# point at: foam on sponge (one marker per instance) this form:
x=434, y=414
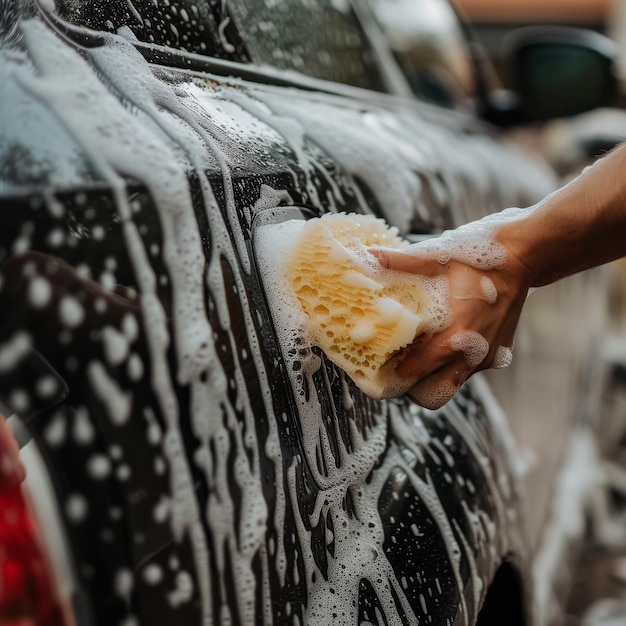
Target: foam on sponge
x=359, y=313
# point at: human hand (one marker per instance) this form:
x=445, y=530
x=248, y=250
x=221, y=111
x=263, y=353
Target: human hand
x=485, y=305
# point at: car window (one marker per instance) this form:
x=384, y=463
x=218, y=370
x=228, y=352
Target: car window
x=200, y=27
x=427, y=40
x=320, y=38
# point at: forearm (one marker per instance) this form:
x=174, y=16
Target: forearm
x=581, y=226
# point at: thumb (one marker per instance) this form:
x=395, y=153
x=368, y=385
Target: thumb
x=396, y=260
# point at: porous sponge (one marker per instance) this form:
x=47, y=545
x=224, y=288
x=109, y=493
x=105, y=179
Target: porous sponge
x=360, y=314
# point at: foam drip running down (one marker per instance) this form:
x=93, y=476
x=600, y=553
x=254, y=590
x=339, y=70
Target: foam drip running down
x=68, y=84
x=359, y=313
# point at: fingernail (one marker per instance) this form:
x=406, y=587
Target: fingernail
x=379, y=255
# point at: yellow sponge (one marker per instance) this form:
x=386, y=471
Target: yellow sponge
x=360, y=314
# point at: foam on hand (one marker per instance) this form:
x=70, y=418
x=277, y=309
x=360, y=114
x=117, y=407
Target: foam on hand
x=359, y=313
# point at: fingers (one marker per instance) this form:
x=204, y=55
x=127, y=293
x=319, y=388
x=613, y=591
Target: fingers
x=484, y=311
x=422, y=357
x=441, y=386
x=441, y=364
x=391, y=260
x=403, y=261
x=439, y=368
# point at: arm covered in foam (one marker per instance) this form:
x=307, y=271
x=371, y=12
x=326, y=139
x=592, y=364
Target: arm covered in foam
x=490, y=265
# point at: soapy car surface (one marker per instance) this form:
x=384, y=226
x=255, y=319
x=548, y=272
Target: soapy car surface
x=204, y=466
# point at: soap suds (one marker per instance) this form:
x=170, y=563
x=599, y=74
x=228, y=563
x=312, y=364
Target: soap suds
x=503, y=358
x=473, y=345
x=360, y=314
x=433, y=394
x=489, y=289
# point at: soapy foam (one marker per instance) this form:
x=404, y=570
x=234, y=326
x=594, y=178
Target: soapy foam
x=361, y=141
x=82, y=100
x=117, y=401
x=503, y=358
x=474, y=243
x=194, y=339
x=13, y=351
x=473, y=345
x=489, y=289
x=433, y=394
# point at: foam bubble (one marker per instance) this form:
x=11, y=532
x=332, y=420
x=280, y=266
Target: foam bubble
x=474, y=243
x=123, y=583
x=153, y=574
x=46, y=386
x=432, y=394
x=71, y=312
x=99, y=466
x=14, y=350
x=473, y=345
x=76, y=508
x=39, y=292
x=56, y=431
x=489, y=289
x=503, y=358
x=115, y=345
x=183, y=591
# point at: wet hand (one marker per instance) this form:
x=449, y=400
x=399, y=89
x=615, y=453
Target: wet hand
x=485, y=308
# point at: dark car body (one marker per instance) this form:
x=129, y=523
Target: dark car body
x=186, y=465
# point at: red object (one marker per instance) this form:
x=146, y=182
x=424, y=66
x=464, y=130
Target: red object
x=27, y=594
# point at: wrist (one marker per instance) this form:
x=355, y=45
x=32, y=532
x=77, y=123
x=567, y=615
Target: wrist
x=525, y=263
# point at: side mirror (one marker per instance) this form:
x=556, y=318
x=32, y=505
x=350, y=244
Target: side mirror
x=557, y=72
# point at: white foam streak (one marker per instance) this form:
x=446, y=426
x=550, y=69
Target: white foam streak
x=117, y=402
x=197, y=352
x=580, y=473
x=13, y=351
x=182, y=248
x=112, y=139
x=428, y=494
